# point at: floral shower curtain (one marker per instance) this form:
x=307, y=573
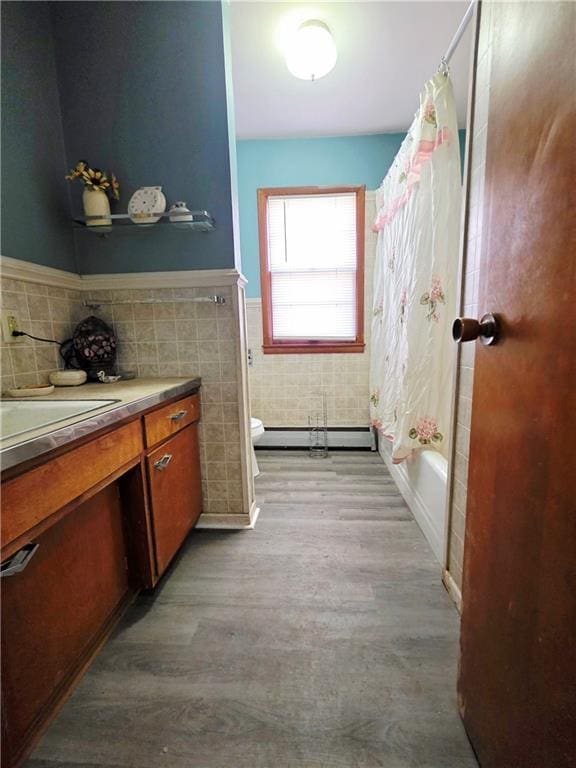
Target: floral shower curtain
x=418, y=220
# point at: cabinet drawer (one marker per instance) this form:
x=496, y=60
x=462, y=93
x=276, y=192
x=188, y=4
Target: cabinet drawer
x=175, y=492
x=30, y=498
x=170, y=419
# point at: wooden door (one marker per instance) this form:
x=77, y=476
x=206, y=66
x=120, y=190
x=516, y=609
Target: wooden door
x=175, y=492
x=55, y=612
x=517, y=685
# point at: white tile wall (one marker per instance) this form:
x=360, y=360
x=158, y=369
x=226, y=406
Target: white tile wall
x=44, y=311
x=189, y=339
x=168, y=339
x=287, y=389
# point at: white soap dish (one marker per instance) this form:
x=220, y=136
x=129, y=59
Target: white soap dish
x=36, y=391
x=68, y=378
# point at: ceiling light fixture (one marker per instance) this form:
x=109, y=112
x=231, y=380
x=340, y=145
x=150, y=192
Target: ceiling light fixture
x=311, y=51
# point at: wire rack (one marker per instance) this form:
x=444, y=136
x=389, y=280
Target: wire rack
x=318, y=432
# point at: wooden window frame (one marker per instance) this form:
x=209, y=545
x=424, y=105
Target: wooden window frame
x=273, y=346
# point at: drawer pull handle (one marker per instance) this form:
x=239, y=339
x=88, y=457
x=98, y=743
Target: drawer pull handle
x=162, y=463
x=179, y=415
x=19, y=561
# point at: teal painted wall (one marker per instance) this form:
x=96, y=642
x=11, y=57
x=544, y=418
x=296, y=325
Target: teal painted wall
x=35, y=196
x=134, y=87
x=143, y=92
x=229, y=79
x=140, y=88
x=300, y=162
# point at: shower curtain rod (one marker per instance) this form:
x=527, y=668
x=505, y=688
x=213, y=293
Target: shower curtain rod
x=458, y=36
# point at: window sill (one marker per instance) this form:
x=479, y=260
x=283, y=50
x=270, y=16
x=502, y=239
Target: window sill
x=312, y=347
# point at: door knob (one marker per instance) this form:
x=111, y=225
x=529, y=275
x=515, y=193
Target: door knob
x=468, y=329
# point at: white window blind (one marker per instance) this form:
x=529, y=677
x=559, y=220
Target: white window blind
x=312, y=260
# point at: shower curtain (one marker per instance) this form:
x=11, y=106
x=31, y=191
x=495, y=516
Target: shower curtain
x=418, y=219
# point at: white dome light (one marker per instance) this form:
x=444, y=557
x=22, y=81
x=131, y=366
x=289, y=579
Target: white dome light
x=311, y=52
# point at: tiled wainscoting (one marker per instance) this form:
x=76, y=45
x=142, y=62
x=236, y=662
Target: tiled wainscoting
x=172, y=338
x=43, y=310
x=286, y=389
x=469, y=303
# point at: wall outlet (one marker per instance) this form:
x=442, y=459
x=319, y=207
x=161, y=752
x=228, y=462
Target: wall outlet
x=9, y=322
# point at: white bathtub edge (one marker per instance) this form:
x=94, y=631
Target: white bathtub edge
x=432, y=529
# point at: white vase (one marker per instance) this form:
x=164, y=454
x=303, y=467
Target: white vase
x=96, y=203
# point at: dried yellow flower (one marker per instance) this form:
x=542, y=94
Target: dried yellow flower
x=94, y=178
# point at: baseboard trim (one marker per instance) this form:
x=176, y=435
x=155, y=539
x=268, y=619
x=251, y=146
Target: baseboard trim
x=453, y=589
x=230, y=522
x=306, y=448
x=346, y=438
x=306, y=429
x=226, y=522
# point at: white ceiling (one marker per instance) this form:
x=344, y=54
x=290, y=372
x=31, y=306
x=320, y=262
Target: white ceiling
x=386, y=51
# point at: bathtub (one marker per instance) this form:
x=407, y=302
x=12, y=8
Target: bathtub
x=423, y=482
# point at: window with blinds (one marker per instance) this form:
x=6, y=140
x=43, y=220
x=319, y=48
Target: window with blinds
x=312, y=259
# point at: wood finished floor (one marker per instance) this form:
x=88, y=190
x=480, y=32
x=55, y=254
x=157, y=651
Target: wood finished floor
x=322, y=639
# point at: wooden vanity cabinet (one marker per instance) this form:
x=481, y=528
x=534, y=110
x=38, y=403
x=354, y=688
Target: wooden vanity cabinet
x=173, y=472
x=33, y=500
x=57, y=610
x=107, y=516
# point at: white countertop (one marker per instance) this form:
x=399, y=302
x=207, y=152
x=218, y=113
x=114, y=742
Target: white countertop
x=132, y=396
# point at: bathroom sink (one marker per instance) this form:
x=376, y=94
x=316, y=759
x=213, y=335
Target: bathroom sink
x=18, y=416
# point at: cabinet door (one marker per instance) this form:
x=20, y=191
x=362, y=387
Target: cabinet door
x=175, y=492
x=55, y=612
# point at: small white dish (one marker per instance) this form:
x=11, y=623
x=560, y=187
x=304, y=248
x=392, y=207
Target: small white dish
x=68, y=378
x=31, y=391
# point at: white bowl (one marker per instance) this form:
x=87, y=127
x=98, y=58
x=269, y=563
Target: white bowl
x=68, y=378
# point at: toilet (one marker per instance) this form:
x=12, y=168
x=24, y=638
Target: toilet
x=257, y=430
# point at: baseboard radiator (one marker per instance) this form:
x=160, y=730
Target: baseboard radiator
x=298, y=438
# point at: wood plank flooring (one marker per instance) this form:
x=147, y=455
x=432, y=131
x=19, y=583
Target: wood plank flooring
x=322, y=639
